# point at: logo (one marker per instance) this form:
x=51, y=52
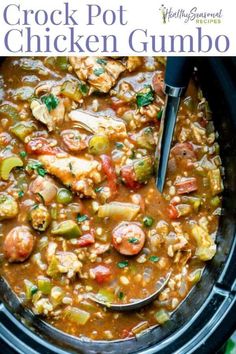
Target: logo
x=195, y=15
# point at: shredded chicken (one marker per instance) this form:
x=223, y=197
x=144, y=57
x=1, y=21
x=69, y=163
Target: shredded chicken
x=100, y=72
x=113, y=128
x=50, y=119
x=77, y=173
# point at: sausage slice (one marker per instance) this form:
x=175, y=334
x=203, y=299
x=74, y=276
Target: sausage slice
x=18, y=244
x=183, y=151
x=128, y=238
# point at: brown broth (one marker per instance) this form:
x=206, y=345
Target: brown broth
x=162, y=251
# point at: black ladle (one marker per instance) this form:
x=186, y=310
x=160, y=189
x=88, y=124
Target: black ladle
x=177, y=76
x=136, y=304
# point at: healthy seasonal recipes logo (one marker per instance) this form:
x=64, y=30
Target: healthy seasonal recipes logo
x=194, y=14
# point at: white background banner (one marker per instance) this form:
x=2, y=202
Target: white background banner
x=117, y=27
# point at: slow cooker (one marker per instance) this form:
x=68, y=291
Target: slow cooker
x=207, y=317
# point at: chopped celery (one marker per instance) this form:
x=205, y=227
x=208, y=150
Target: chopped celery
x=143, y=169
x=195, y=276
x=49, y=61
x=98, y=144
x=145, y=138
x=56, y=296
x=215, y=201
x=62, y=63
x=115, y=210
x=9, y=111
x=8, y=207
x=53, y=268
x=215, y=181
x=162, y=316
x=91, y=307
x=72, y=90
x=206, y=164
x=80, y=317
x=22, y=129
x=189, y=103
x=44, y=285
x=206, y=247
x=217, y=160
x=183, y=209
x=54, y=212
x=194, y=201
x=67, y=228
x=8, y=164
x=105, y=295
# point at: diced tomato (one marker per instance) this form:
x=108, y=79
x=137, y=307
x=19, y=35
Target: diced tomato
x=183, y=151
x=102, y=273
x=85, y=240
x=158, y=83
x=109, y=170
x=128, y=177
x=187, y=185
x=40, y=146
x=172, y=212
x=116, y=104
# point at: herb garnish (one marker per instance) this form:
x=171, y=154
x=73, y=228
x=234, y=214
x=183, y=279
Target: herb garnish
x=120, y=295
x=122, y=264
x=101, y=61
x=33, y=290
x=20, y=194
x=145, y=96
x=37, y=166
x=84, y=89
x=50, y=101
x=98, y=71
x=98, y=189
x=119, y=145
x=82, y=217
x=71, y=169
x=154, y=259
x=133, y=240
x=159, y=114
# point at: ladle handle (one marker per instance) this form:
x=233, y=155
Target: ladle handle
x=177, y=75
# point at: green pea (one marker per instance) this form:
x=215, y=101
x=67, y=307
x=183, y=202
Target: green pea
x=148, y=221
x=64, y=196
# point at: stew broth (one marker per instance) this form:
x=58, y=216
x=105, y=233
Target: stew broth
x=79, y=210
